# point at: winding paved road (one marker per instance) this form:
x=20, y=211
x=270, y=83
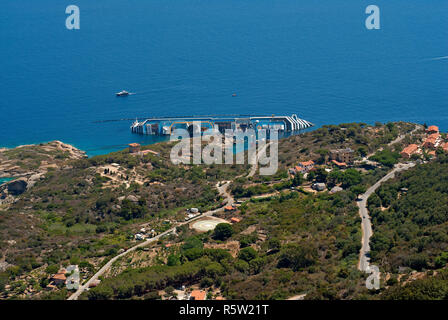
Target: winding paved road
x=222, y=189
x=364, y=259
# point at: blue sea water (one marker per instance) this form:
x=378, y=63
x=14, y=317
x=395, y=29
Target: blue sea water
x=314, y=58
x=4, y=180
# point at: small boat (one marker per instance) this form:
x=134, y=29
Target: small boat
x=234, y=95
x=122, y=93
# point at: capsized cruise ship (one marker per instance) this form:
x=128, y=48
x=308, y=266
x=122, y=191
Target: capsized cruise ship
x=164, y=126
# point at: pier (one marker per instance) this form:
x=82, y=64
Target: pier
x=164, y=126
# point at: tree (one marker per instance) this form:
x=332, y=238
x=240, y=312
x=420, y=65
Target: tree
x=358, y=190
x=297, y=180
x=321, y=175
x=241, y=266
x=52, y=269
x=193, y=253
x=247, y=254
x=322, y=156
x=256, y=265
x=362, y=151
x=223, y=231
x=247, y=240
x=153, y=295
x=295, y=256
x=206, y=282
x=386, y=157
x=192, y=242
x=100, y=293
x=274, y=244
x=169, y=290
x=351, y=177
x=173, y=260
x=441, y=260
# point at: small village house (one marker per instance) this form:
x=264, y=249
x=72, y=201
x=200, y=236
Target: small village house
x=134, y=147
x=338, y=164
x=346, y=155
x=305, y=166
x=198, y=295
x=432, y=141
x=59, y=278
x=445, y=147
x=409, y=151
x=432, y=129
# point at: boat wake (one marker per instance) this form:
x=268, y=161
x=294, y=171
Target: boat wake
x=439, y=58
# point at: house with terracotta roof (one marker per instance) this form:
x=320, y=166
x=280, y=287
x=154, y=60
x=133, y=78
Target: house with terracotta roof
x=445, y=146
x=432, y=153
x=409, y=150
x=198, y=295
x=432, y=141
x=339, y=164
x=59, y=278
x=235, y=220
x=298, y=169
x=229, y=208
x=134, y=147
x=432, y=129
x=305, y=166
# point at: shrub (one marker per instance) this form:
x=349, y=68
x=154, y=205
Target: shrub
x=247, y=254
x=223, y=231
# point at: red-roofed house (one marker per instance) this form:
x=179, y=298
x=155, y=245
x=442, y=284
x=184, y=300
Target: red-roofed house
x=59, y=278
x=432, y=153
x=339, y=164
x=298, y=169
x=431, y=141
x=445, y=147
x=198, y=295
x=235, y=220
x=409, y=150
x=432, y=129
x=305, y=166
x=134, y=147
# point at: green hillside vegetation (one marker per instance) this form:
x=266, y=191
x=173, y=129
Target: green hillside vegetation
x=312, y=246
x=386, y=157
x=430, y=288
x=77, y=214
x=411, y=224
x=360, y=137
x=71, y=213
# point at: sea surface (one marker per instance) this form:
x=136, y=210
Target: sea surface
x=183, y=57
x=4, y=180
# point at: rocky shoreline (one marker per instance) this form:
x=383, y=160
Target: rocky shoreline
x=28, y=164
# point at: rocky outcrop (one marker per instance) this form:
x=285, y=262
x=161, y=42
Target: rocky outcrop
x=132, y=198
x=74, y=152
x=47, y=155
x=17, y=187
